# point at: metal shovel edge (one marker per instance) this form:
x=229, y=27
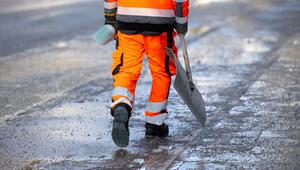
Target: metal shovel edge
x=184, y=84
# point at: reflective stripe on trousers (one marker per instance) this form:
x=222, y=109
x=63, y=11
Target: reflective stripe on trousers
x=156, y=107
x=157, y=120
x=154, y=112
x=121, y=95
x=122, y=91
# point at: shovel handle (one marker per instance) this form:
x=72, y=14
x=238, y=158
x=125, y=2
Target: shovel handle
x=186, y=60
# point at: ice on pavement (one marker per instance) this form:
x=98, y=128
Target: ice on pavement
x=204, y=2
x=206, y=49
x=82, y=109
x=255, y=46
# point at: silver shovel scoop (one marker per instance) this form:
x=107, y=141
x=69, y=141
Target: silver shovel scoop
x=184, y=84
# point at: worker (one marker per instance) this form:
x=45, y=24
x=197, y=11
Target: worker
x=143, y=27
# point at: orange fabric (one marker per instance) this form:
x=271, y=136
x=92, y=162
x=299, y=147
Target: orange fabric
x=129, y=57
x=114, y=98
x=152, y=113
x=184, y=8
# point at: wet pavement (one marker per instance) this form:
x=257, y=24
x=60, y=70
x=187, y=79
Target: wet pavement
x=55, y=99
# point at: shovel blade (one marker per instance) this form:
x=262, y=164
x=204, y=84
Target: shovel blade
x=191, y=97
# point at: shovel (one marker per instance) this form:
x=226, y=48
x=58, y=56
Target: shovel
x=184, y=84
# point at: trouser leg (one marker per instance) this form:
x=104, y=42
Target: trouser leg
x=126, y=67
x=162, y=68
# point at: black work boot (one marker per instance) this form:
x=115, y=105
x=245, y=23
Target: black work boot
x=120, y=131
x=153, y=130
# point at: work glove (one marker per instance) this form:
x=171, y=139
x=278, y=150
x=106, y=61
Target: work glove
x=112, y=23
x=181, y=28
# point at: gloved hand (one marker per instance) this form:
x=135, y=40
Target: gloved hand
x=181, y=28
x=112, y=23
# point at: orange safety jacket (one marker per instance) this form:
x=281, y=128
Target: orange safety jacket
x=147, y=15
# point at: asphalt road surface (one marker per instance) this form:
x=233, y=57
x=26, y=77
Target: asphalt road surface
x=55, y=87
x=30, y=24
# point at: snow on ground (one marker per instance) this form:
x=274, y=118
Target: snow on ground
x=206, y=2
x=203, y=2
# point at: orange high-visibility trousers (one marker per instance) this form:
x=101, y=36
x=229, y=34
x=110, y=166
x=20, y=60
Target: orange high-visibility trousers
x=127, y=65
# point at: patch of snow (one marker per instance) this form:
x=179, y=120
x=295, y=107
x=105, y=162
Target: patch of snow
x=214, y=166
x=205, y=2
x=60, y=44
x=253, y=133
x=194, y=158
x=139, y=161
x=269, y=134
x=252, y=45
x=177, y=165
x=257, y=150
x=237, y=110
x=270, y=38
x=224, y=124
x=237, y=157
x=209, y=140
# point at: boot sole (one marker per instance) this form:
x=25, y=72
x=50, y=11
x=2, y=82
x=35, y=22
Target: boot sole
x=150, y=136
x=155, y=136
x=120, y=133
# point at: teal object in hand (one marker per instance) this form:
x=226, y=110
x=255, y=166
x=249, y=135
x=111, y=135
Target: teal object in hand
x=105, y=34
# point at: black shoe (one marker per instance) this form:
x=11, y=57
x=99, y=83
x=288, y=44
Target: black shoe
x=153, y=130
x=120, y=131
